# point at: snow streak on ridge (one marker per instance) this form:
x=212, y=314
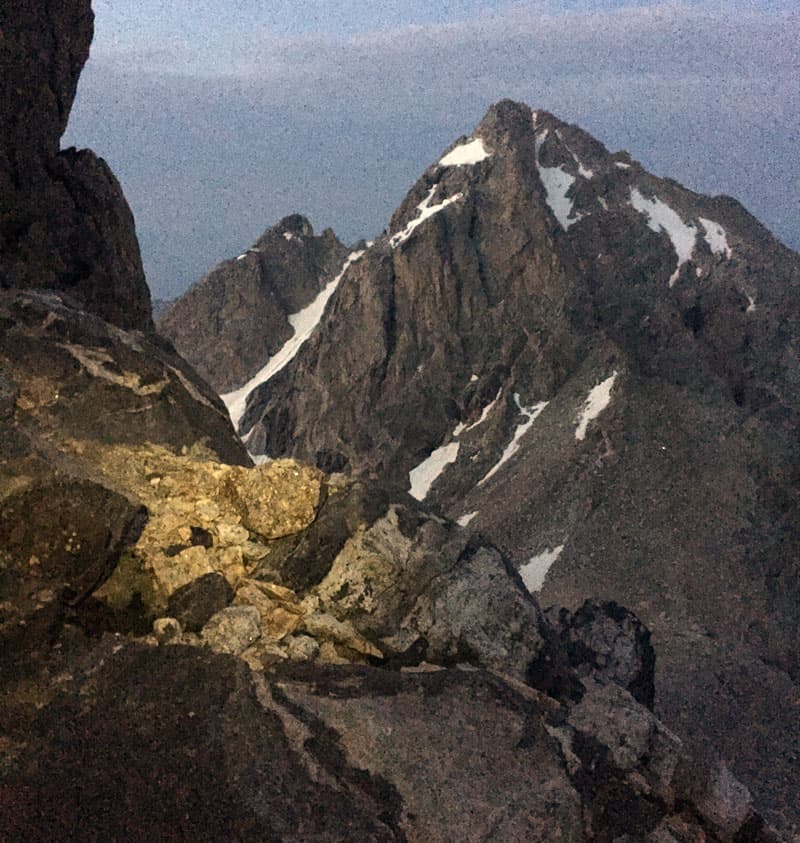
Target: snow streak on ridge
x=660, y=217
x=424, y=475
x=535, y=569
x=598, y=399
x=303, y=322
x=426, y=212
x=471, y=152
x=531, y=413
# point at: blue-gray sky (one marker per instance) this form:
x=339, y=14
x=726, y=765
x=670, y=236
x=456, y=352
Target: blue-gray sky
x=221, y=116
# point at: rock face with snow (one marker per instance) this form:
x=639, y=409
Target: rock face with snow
x=430, y=703
x=64, y=222
x=596, y=369
x=237, y=316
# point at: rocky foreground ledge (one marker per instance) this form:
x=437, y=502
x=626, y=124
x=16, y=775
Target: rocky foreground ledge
x=194, y=648
x=271, y=652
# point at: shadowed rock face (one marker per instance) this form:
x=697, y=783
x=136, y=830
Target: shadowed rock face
x=230, y=322
x=80, y=367
x=70, y=375
x=174, y=743
x=45, y=45
x=64, y=223
x=610, y=362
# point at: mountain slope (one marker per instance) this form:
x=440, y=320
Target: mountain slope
x=596, y=369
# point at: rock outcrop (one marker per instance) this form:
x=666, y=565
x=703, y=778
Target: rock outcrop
x=174, y=743
x=237, y=317
x=597, y=370
x=64, y=222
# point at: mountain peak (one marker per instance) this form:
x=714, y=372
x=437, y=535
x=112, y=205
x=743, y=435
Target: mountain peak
x=581, y=361
x=295, y=224
x=239, y=314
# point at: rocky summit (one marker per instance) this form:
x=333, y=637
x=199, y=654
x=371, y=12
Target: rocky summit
x=196, y=648
x=596, y=370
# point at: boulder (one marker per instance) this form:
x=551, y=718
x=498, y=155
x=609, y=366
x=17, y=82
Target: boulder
x=193, y=604
x=233, y=629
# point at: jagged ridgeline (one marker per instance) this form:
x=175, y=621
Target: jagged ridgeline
x=596, y=369
x=194, y=648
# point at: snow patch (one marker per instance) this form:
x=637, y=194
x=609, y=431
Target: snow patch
x=557, y=183
x=660, y=217
x=473, y=379
x=622, y=165
x=426, y=211
x=303, y=322
x=751, y=306
x=603, y=203
x=471, y=152
x=465, y=519
x=716, y=237
x=425, y=474
x=242, y=257
x=598, y=399
x=531, y=413
x=535, y=570
x=287, y=235
x=539, y=141
x=584, y=172
x=486, y=410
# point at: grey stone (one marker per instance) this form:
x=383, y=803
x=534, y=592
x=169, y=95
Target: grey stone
x=233, y=629
x=167, y=630
x=302, y=648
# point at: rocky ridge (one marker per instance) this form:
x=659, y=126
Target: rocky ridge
x=237, y=316
x=595, y=369
x=143, y=607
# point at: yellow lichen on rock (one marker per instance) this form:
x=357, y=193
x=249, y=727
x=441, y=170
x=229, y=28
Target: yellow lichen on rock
x=36, y=392
x=204, y=516
x=273, y=500
x=277, y=621
x=369, y=565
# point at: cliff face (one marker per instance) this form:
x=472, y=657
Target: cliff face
x=64, y=222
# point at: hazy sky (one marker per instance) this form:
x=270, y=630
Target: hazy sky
x=221, y=116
